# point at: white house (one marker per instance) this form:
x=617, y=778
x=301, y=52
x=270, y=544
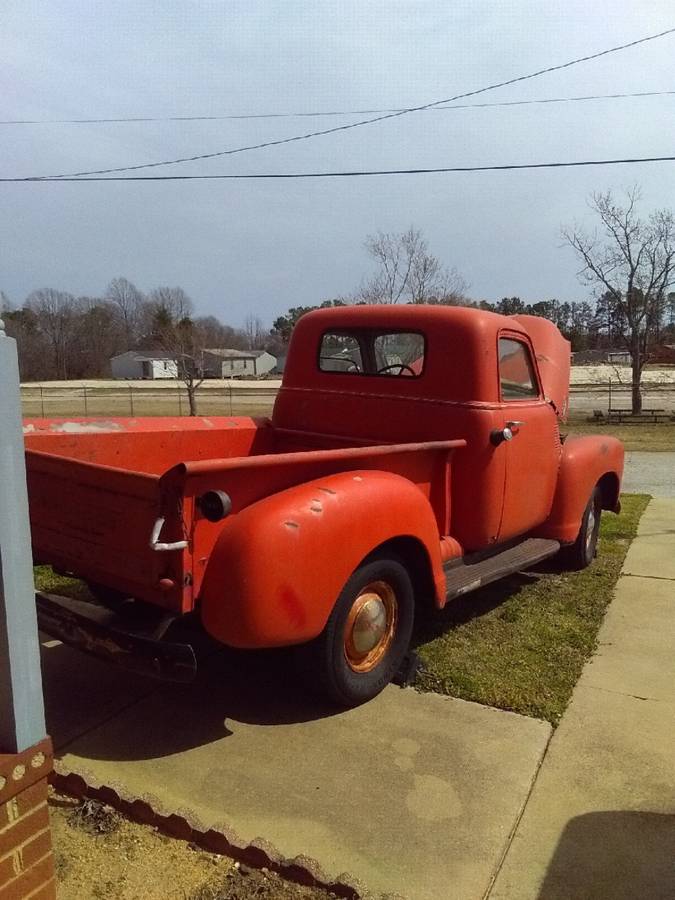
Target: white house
x=144, y=364
x=236, y=363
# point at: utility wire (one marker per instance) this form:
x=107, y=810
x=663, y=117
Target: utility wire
x=343, y=112
x=352, y=174
x=382, y=118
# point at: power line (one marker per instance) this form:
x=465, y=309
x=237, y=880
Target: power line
x=348, y=174
x=381, y=118
x=320, y=114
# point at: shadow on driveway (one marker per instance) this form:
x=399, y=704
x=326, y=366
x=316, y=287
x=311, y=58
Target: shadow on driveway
x=617, y=855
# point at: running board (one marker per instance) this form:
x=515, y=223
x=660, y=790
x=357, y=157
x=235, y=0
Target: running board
x=462, y=578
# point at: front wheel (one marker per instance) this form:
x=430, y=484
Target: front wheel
x=582, y=552
x=367, y=634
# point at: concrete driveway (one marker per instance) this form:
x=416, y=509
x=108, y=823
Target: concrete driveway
x=412, y=794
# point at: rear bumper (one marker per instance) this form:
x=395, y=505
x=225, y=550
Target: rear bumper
x=86, y=627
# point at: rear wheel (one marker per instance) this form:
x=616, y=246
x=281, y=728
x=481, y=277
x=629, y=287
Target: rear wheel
x=582, y=552
x=367, y=634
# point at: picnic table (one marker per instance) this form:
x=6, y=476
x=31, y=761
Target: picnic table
x=652, y=416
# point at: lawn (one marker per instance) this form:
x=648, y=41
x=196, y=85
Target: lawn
x=521, y=643
x=634, y=437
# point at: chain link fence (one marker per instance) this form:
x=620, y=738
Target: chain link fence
x=239, y=400
x=56, y=401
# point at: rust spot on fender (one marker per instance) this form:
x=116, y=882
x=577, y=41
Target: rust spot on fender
x=290, y=524
x=292, y=605
x=328, y=491
x=315, y=506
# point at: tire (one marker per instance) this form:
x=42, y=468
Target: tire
x=583, y=551
x=378, y=599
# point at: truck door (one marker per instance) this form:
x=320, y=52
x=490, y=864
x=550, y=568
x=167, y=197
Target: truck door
x=533, y=452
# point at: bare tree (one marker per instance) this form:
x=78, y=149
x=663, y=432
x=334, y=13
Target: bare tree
x=129, y=301
x=172, y=299
x=407, y=272
x=631, y=261
x=216, y=335
x=55, y=314
x=182, y=339
x=255, y=332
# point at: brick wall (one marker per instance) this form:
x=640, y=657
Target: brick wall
x=26, y=860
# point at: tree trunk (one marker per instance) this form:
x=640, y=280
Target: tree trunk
x=636, y=360
x=192, y=400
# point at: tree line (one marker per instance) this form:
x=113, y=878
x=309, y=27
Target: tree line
x=61, y=336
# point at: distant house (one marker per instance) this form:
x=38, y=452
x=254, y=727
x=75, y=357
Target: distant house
x=280, y=366
x=237, y=363
x=663, y=354
x=616, y=357
x=144, y=364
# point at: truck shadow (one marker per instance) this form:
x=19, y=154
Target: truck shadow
x=622, y=855
x=101, y=712
x=106, y=713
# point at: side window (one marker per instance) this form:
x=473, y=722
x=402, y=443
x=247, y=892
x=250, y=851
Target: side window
x=340, y=353
x=516, y=373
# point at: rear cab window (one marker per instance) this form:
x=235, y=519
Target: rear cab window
x=517, y=380
x=367, y=352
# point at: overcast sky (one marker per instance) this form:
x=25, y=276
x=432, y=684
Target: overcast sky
x=262, y=246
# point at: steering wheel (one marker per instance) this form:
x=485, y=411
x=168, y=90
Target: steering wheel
x=400, y=366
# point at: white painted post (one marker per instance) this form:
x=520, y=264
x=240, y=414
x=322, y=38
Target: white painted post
x=22, y=721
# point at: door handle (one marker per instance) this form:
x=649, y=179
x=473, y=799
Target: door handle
x=507, y=433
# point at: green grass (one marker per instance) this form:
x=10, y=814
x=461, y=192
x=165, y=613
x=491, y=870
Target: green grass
x=635, y=437
x=521, y=643
x=47, y=580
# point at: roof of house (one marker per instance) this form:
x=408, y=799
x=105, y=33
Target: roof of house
x=236, y=354
x=146, y=355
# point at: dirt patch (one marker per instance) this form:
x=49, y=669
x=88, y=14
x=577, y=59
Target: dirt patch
x=100, y=855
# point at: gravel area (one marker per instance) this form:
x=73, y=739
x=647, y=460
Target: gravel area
x=650, y=473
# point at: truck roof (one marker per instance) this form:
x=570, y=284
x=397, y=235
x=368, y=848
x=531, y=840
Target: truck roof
x=462, y=344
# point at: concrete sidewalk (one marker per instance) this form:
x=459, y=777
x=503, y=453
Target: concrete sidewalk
x=600, y=823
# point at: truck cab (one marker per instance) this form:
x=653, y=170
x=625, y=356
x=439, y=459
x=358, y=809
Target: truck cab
x=414, y=454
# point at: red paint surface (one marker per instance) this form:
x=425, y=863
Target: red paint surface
x=347, y=463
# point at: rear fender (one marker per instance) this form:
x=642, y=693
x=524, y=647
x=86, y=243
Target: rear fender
x=586, y=461
x=279, y=565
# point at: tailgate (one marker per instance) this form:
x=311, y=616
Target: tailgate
x=96, y=522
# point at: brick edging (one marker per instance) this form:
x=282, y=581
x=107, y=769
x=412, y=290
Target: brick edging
x=19, y=771
x=26, y=856
x=218, y=838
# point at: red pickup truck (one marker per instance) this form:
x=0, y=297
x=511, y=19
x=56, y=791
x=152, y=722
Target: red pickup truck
x=414, y=454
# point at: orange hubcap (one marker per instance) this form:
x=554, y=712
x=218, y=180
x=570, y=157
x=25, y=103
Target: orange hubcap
x=371, y=625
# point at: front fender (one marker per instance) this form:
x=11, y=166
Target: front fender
x=279, y=565
x=586, y=461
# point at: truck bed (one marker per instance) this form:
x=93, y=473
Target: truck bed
x=97, y=488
